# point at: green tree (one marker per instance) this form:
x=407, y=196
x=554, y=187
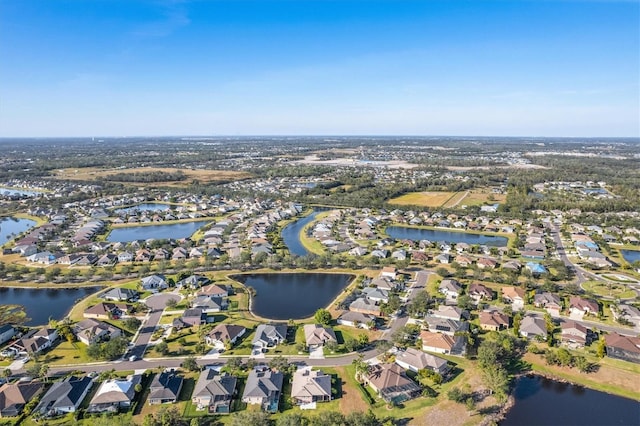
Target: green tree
x=279, y=363
x=359, y=418
x=162, y=348
x=322, y=316
x=190, y=364
x=171, y=303
x=601, y=348
x=253, y=418
x=291, y=419
x=132, y=323
x=329, y=418
x=362, y=368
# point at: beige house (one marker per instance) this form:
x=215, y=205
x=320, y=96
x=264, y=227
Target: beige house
x=309, y=386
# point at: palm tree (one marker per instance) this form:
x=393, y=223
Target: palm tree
x=44, y=371
x=362, y=368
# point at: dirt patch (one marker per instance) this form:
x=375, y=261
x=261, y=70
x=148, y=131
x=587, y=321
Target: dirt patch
x=351, y=399
x=445, y=413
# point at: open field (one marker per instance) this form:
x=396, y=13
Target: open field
x=615, y=290
x=202, y=176
x=449, y=199
x=423, y=199
x=478, y=197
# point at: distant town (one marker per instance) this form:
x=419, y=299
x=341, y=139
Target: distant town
x=314, y=281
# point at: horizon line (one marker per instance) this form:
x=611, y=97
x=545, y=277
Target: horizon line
x=202, y=136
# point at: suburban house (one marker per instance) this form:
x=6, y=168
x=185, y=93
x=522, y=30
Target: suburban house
x=493, y=320
x=194, y=316
x=214, y=290
x=549, y=301
x=120, y=295
x=355, y=319
x=316, y=336
x=445, y=326
x=623, y=347
x=622, y=312
x=389, y=272
x=451, y=289
x=376, y=294
x=479, y=292
x=415, y=360
x=365, y=306
x=64, y=396
x=114, y=395
x=37, y=340
x=165, y=388
x=106, y=310
x=224, y=336
x=309, y=386
x=209, y=303
x=450, y=312
x=14, y=396
x=90, y=331
x=6, y=333
x=515, y=296
x=214, y=391
x=391, y=383
x=154, y=283
x=437, y=342
x=193, y=281
x=578, y=307
x=574, y=335
x=532, y=327
x=263, y=387
x=269, y=335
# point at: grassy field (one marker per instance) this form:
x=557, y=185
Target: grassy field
x=202, y=176
x=615, y=290
x=612, y=376
x=449, y=199
x=423, y=199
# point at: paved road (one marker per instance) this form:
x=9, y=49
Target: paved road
x=579, y=272
x=157, y=303
x=594, y=325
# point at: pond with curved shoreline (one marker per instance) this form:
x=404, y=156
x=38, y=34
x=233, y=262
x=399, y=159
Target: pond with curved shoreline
x=41, y=304
x=144, y=207
x=291, y=234
x=544, y=402
x=157, y=232
x=631, y=255
x=438, y=235
x=284, y=296
x=11, y=227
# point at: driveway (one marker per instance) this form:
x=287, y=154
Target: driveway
x=157, y=303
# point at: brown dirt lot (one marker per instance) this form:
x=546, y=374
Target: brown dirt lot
x=351, y=399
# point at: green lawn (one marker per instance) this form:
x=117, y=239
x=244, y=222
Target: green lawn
x=615, y=290
x=66, y=353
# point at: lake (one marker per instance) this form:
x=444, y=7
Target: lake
x=43, y=303
x=145, y=207
x=16, y=191
x=158, y=232
x=293, y=296
x=540, y=402
x=291, y=234
x=10, y=228
x=631, y=255
x=437, y=235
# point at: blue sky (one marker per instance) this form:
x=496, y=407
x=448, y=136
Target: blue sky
x=453, y=67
